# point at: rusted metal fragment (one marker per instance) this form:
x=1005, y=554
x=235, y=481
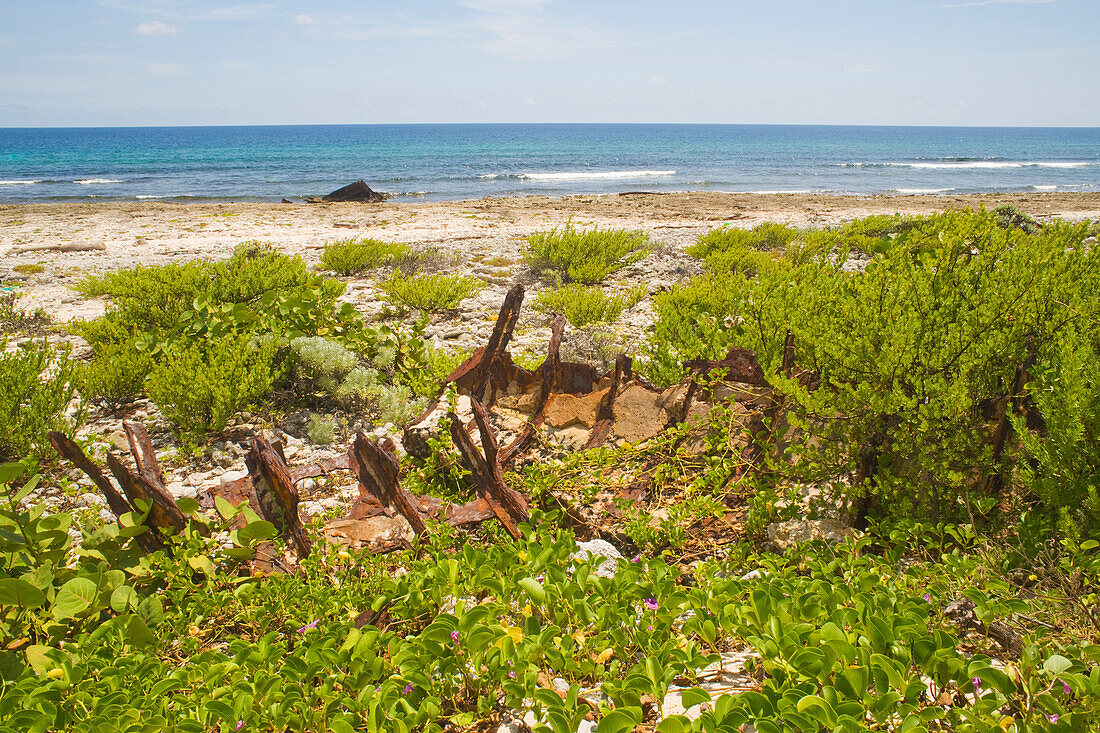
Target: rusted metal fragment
x=375, y=466
x=472, y=512
x=741, y=365
x=145, y=456
x=509, y=506
x=276, y=495
x=549, y=374
x=163, y=512
x=377, y=534
x=68, y=449
x=241, y=489
x=606, y=413
x=494, y=351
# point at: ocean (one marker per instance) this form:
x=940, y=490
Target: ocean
x=449, y=162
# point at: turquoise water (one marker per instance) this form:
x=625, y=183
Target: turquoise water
x=447, y=162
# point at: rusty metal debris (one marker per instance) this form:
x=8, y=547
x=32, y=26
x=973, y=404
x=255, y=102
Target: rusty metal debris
x=570, y=403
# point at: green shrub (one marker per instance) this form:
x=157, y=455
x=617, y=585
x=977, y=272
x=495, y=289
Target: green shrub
x=116, y=374
x=256, y=289
x=322, y=362
x=14, y=320
x=320, y=430
x=729, y=249
x=199, y=384
x=429, y=293
x=1062, y=469
x=909, y=352
x=352, y=256
x=37, y=384
x=586, y=256
x=29, y=269
x=583, y=305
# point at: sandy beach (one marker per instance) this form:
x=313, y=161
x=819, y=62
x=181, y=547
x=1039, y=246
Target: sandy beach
x=125, y=234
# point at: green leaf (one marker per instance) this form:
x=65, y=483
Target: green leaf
x=20, y=593
x=693, y=696
x=123, y=599
x=257, y=531
x=151, y=611
x=203, y=564
x=37, y=657
x=1056, y=664
x=11, y=471
x=138, y=633
x=534, y=589
x=674, y=724
x=187, y=505
x=76, y=597
x=619, y=721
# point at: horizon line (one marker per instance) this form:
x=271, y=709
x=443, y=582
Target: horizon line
x=545, y=124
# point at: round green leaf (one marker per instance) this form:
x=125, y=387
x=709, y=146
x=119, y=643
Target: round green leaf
x=18, y=592
x=534, y=589
x=74, y=598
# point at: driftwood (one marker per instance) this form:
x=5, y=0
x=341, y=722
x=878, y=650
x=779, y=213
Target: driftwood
x=59, y=247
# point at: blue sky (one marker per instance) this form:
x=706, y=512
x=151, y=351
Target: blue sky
x=923, y=62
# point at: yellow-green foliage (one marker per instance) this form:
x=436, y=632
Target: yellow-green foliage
x=583, y=256
x=429, y=293
x=116, y=374
x=29, y=269
x=740, y=250
x=909, y=351
x=352, y=256
x=583, y=304
x=37, y=383
x=199, y=384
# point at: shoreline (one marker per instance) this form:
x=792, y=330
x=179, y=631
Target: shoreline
x=105, y=236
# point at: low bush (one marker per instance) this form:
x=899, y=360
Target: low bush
x=910, y=353
x=29, y=269
x=320, y=430
x=199, y=384
x=116, y=374
x=583, y=256
x=359, y=254
x=583, y=305
x=37, y=385
x=429, y=293
x=14, y=320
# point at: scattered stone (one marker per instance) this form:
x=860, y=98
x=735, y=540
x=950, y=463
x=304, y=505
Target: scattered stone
x=784, y=535
x=596, y=549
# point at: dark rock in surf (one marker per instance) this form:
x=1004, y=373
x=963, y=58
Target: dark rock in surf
x=358, y=192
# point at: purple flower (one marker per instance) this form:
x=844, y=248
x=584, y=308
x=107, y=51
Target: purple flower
x=408, y=689
x=651, y=604
x=1065, y=688
x=541, y=578
x=311, y=625
x=636, y=558
x=378, y=689
x=649, y=628
x=977, y=682
x=511, y=675
x=240, y=724
x=1053, y=718
x=927, y=597
x=454, y=636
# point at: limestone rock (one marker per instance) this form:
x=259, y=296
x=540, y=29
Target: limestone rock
x=785, y=535
x=594, y=550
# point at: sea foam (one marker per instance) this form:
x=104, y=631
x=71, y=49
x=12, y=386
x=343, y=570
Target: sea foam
x=90, y=181
x=587, y=175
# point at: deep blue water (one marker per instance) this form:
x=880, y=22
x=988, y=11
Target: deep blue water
x=438, y=162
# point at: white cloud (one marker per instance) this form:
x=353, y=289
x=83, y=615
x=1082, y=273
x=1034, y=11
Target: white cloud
x=658, y=80
x=164, y=69
x=156, y=28
x=503, y=6
x=304, y=19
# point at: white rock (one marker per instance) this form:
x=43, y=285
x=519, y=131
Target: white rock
x=596, y=549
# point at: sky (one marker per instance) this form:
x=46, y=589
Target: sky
x=211, y=62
